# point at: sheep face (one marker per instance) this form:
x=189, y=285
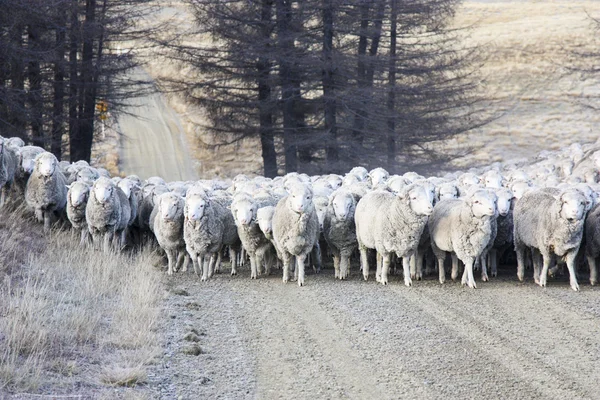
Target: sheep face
x=103, y=190
x=170, y=205
x=448, y=191
x=469, y=179
x=360, y=172
x=78, y=193
x=342, y=205
x=519, y=189
x=335, y=181
x=87, y=175
x=590, y=195
x=504, y=201
x=573, y=205
x=378, y=176
x=127, y=186
x=429, y=189
x=419, y=200
x=264, y=216
x=46, y=164
x=300, y=198
x=493, y=180
x=483, y=203
x=195, y=207
x=244, y=211
x=27, y=165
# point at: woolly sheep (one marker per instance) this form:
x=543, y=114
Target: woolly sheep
x=391, y=224
x=208, y=226
x=77, y=198
x=25, y=162
x=103, y=212
x=8, y=167
x=504, y=235
x=592, y=241
x=168, y=228
x=463, y=227
x=295, y=229
x=244, y=209
x=378, y=176
x=339, y=230
x=549, y=225
x=46, y=190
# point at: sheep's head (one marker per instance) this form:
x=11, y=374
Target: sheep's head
x=26, y=163
x=128, y=186
x=170, y=205
x=321, y=204
x=103, y=189
x=447, y=191
x=591, y=175
x=156, y=180
x=78, y=193
x=87, y=175
x=264, y=216
x=590, y=195
x=483, y=203
x=196, y=201
x=493, y=179
x=378, y=176
x=342, y=203
x=505, y=197
x=396, y=183
x=46, y=163
x=429, y=189
x=300, y=198
x=335, y=181
x=244, y=210
x=359, y=172
x=572, y=205
x=469, y=179
x=520, y=188
x=418, y=198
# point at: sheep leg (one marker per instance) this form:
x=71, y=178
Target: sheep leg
x=483, y=262
x=593, y=270
x=378, y=271
x=211, y=265
x=545, y=267
x=570, y=259
x=197, y=263
x=493, y=257
x=316, y=258
x=520, y=250
x=186, y=260
x=286, y=267
x=217, y=267
x=413, y=266
x=454, y=266
x=441, y=269
x=47, y=221
x=39, y=215
x=336, y=264
x=384, y=260
x=344, y=266
x=3, y=196
x=364, y=262
x=233, y=258
x=468, y=274
x=253, y=271
x=300, y=268
x=108, y=235
x=406, y=267
x=123, y=241
x=171, y=261
x=419, y=257
x=536, y=258
x=83, y=237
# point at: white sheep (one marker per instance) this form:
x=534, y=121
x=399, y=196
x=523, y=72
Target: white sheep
x=391, y=224
x=168, y=229
x=103, y=212
x=549, y=224
x=295, y=228
x=8, y=167
x=77, y=198
x=464, y=227
x=339, y=230
x=26, y=161
x=46, y=190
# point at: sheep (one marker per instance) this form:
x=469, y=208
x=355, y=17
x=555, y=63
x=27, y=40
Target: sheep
x=131, y=189
x=207, y=228
x=168, y=228
x=244, y=209
x=25, y=162
x=103, y=212
x=46, y=190
x=464, y=227
x=391, y=224
x=592, y=241
x=125, y=219
x=446, y=191
x=8, y=167
x=339, y=230
x=504, y=235
x=378, y=176
x=295, y=229
x=77, y=198
x=549, y=224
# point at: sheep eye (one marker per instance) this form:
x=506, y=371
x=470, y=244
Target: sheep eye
x=476, y=201
x=307, y=197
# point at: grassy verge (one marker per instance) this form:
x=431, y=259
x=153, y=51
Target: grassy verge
x=73, y=321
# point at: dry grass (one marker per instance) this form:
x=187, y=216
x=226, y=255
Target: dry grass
x=72, y=320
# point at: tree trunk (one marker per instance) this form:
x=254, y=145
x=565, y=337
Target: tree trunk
x=391, y=100
x=86, y=129
x=74, y=85
x=34, y=94
x=265, y=105
x=285, y=41
x=359, y=117
x=329, y=99
x=17, y=114
x=59, y=89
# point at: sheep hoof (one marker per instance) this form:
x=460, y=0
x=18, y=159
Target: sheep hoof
x=233, y=273
x=494, y=274
x=285, y=280
x=592, y=282
x=408, y=282
x=575, y=286
x=472, y=285
x=413, y=276
x=542, y=284
x=384, y=282
x=442, y=281
x=300, y=282
x=485, y=278
x=366, y=277
x=419, y=277
x=203, y=279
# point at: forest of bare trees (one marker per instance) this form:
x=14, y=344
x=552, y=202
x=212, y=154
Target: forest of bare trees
x=59, y=64
x=324, y=84
x=329, y=84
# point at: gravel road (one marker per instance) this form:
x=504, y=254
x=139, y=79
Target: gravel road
x=359, y=340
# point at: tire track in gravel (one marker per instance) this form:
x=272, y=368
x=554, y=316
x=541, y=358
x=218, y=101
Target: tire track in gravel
x=537, y=340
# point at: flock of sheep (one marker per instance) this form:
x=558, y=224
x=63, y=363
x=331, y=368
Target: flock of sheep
x=547, y=211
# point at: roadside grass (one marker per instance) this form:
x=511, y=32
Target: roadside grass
x=73, y=320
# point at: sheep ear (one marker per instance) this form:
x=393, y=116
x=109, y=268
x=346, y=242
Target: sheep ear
x=69, y=186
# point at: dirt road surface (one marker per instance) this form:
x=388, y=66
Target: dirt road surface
x=359, y=340
x=153, y=140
